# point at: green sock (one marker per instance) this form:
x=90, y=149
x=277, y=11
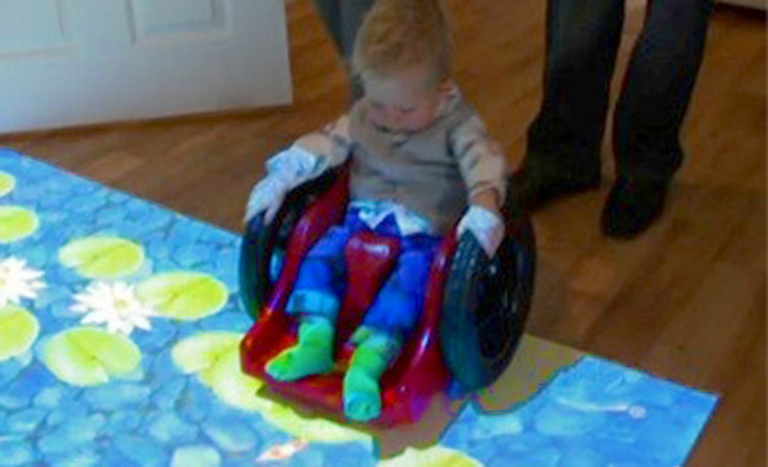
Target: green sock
x=362, y=394
x=313, y=354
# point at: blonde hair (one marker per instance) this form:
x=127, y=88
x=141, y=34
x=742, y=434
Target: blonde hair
x=399, y=34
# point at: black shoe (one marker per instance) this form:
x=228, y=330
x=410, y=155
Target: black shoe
x=531, y=189
x=632, y=206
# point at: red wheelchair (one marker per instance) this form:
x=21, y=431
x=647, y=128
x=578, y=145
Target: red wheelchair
x=473, y=317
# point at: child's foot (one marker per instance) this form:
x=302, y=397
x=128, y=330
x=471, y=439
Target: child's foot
x=362, y=397
x=311, y=356
x=362, y=394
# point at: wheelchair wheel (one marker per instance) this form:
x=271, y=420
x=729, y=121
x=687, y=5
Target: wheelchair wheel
x=254, y=265
x=263, y=244
x=486, y=304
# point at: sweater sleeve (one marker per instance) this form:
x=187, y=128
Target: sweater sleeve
x=481, y=159
x=332, y=145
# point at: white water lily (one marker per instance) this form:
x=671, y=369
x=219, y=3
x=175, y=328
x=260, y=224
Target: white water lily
x=18, y=281
x=114, y=304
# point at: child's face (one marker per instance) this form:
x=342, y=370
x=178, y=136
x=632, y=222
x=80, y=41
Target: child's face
x=404, y=100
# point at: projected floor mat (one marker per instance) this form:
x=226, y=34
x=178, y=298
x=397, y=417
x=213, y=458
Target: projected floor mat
x=119, y=327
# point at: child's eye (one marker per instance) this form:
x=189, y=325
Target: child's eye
x=377, y=105
x=407, y=110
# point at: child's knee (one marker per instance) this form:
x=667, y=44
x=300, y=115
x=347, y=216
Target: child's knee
x=314, y=303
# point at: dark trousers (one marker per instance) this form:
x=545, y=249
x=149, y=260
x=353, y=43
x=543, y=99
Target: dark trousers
x=581, y=44
x=343, y=19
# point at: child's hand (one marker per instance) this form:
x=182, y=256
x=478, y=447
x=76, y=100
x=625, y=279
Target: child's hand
x=486, y=226
x=267, y=195
x=285, y=171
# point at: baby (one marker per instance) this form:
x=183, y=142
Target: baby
x=421, y=161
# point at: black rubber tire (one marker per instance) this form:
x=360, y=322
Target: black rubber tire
x=254, y=265
x=486, y=304
x=261, y=241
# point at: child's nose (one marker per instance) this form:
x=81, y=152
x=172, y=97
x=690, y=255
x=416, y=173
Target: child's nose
x=395, y=119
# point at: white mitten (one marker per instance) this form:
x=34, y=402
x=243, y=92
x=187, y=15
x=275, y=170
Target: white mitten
x=487, y=227
x=285, y=171
x=267, y=195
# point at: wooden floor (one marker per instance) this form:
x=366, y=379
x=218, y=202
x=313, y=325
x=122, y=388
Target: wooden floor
x=686, y=301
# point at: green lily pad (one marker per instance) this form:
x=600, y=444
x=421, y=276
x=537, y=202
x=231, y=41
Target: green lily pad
x=183, y=295
x=236, y=388
x=103, y=257
x=201, y=353
x=17, y=223
x=18, y=330
x=7, y=183
x=88, y=356
x=434, y=456
x=312, y=429
x=215, y=357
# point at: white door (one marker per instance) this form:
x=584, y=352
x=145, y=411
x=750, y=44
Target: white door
x=73, y=62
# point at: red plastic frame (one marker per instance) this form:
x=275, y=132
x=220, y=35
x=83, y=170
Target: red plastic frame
x=416, y=375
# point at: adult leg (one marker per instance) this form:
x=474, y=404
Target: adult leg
x=343, y=19
x=653, y=103
x=563, y=153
